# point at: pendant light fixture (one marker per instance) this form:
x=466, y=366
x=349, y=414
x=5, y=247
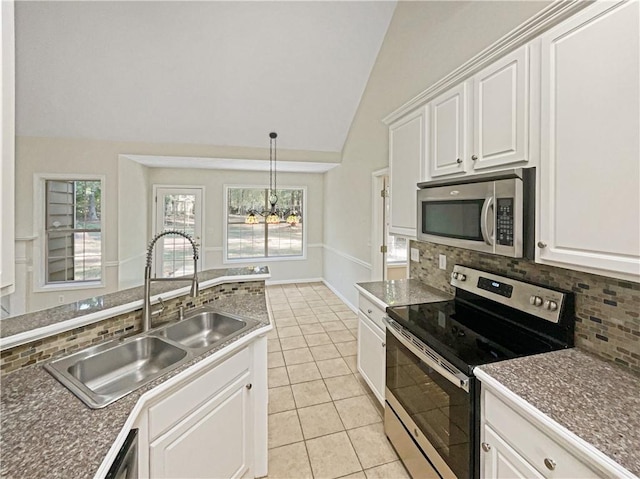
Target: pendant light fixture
x=271, y=216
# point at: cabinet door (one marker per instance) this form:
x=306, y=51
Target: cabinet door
x=500, y=113
x=406, y=154
x=371, y=355
x=499, y=461
x=589, y=212
x=448, y=132
x=213, y=442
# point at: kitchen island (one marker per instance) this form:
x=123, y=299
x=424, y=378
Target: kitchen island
x=49, y=432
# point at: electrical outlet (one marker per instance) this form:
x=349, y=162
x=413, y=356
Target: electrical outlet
x=415, y=254
x=61, y=299
x=442, y=261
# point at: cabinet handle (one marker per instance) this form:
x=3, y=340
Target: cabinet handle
x=384, y=345
x=486, y=447
x=550, y=463
x=416, y=433
x=249, y=386
x=369, y=311
x=458, y=161
x=474, y=157
x=541, y=244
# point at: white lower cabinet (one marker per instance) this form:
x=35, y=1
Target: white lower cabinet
x=371, y=355
x=518, y=441
x=211, y=442
x=212, y=423
x=499, y=460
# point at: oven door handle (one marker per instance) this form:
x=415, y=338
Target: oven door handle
x=458, y=379
x=484, y=221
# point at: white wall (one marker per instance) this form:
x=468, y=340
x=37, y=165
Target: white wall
x=213, y=209
x=133, y=223
x=425, y=42
x=126, y=207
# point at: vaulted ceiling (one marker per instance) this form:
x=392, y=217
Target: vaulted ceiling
x=214, y=73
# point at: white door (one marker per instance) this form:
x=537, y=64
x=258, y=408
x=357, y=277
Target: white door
x=589, y=214
x=500, y=126
x=448, y=132
x=177, y=209
x=213, y=442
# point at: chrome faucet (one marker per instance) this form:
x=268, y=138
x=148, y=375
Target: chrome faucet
x=146, y=306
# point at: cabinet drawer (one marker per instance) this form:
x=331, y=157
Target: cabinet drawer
x=373, y=312
x=192, y=394
x=534, y=445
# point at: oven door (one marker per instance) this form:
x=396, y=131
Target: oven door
x=433, y=402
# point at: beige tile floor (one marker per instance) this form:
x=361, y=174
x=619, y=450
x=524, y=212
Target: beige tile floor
x=324, y=422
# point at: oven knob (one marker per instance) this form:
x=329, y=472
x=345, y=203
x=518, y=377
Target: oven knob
x=535, y=300
x=551, y=305
x=461, y=277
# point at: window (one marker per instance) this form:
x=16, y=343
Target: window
x=73, y=231
x=263, y=240
x=396, y=249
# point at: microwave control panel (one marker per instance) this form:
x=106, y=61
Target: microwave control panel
x=504, y=219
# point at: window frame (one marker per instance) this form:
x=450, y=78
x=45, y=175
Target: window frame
x=262, y=259
x=40, y=255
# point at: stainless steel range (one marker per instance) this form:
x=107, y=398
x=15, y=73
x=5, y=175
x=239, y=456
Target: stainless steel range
x=432, y=397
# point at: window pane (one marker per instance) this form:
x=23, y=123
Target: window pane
x=396, y=249
x=245, y=241
x=87, y=264
x=249, y=240
x=72, y=207
x=88, y=201
x=177, y=256
x=60, y=251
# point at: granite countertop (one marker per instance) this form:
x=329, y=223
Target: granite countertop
x=401, y=292
x=596, y=400
x=39, y=319
x=49, y=432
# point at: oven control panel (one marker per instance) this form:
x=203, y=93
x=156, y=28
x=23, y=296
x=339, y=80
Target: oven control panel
x=530, y=298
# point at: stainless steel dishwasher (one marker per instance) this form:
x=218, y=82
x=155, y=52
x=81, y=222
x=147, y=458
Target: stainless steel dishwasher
x=125, y=465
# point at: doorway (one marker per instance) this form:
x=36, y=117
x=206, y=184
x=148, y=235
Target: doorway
x=388, y=253
x=177, y=208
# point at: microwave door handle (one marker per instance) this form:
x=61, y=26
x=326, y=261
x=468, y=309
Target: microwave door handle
x=484, y=221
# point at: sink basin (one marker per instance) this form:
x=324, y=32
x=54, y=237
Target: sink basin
x=102, y=374
x=204, y=327
x=105, y=373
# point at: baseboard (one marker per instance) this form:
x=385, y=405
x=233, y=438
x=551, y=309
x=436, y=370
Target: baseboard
x=293, y=281
x=342, y=298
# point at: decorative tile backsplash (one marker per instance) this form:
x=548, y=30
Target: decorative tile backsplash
x=607, y=309
x=118, y=326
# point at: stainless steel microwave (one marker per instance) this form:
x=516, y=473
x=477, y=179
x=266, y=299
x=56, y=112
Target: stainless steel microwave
x=493, y=213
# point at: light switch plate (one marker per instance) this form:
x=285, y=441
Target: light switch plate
x=415, y=254
x=442, y=261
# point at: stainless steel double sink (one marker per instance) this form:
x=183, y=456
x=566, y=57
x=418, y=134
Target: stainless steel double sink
x=102, y=374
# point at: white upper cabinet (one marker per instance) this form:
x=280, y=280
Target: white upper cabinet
x=501, y=109
x=406, y=157
x=7, y=148
x=448, y=132
x=589, y=202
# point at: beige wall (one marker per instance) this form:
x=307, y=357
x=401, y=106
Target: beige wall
x=425, y=42
x=125, y=217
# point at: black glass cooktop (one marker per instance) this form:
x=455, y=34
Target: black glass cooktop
x=467, y=337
